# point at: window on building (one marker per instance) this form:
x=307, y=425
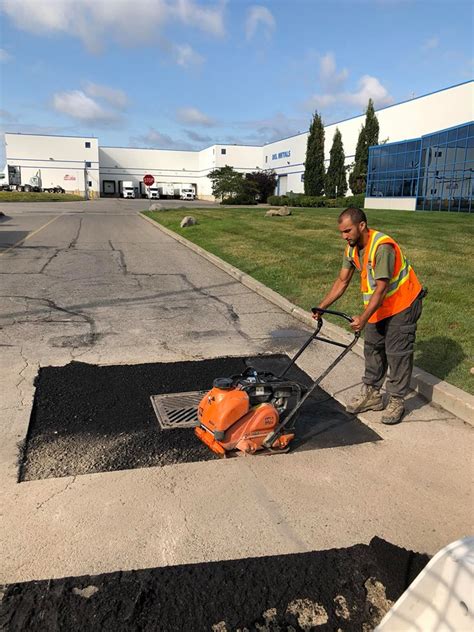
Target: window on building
x=87, y=144
x=88, y=164
x=223, y=150
x=266, y=158
x=438, y=170
x=302, y=177
x=90, y=183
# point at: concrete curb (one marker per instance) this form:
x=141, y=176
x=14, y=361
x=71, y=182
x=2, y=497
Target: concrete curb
x=436, y=391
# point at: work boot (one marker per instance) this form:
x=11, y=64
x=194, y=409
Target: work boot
x=394, y=411
x=369, y=399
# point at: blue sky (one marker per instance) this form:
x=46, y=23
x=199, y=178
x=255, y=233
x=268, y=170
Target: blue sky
x=188, y=73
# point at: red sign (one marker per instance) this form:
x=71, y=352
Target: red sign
x=148, y=180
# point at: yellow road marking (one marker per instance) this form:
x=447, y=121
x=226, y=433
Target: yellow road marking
x=35, y=232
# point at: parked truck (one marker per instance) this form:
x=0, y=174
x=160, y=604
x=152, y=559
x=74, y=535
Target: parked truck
x=165, y=189
x=186, y=191
x=152, y=192
x=11, y=180
x=126, y=189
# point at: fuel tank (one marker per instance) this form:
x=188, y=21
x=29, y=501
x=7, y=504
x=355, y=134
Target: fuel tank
x=220, y=408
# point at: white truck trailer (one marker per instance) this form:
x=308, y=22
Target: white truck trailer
x=11, y=180
x=151, y=192
x=165, y=189
x=186, y=191
x=127, y=189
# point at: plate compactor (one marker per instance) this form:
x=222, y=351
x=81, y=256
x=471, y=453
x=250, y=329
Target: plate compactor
x=257, y=411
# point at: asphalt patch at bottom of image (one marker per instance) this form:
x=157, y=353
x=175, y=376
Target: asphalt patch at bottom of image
x=88, y=418
x=338, y=589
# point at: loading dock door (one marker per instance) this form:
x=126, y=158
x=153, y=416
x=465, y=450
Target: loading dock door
x=282, y=185
x=108, y=187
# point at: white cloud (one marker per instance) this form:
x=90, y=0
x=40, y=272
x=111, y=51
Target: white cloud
x=193, y=116
x=185, y=56
x=129, y=22
x=256, y=16
x=336, y=97
x=369, y=88
x=115, y=97
x=4, y=56
x=330, y=79
x=79, y=106
x=154, y=138
x=208, y=19
x=430, y=44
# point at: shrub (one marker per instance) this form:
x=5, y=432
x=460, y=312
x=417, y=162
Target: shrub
x=239, y=199
x=313, y=201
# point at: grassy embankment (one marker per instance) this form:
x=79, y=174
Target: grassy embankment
x=300, y=256
x=19, y=196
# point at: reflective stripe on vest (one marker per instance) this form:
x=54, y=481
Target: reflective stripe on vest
x=377, y=239
x=403, y=287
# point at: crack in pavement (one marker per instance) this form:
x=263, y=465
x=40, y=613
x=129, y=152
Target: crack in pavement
x=61, y=491
x=121, y=259
x=91, y=337
x=22, y=377
x=124, y=300
x=50, y=258
x=72, y=244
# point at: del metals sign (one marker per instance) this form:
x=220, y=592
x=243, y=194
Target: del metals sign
x=282, y=154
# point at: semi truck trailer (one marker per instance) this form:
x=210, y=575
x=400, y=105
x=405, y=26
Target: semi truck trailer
x=152, y=192
x=186, y=191
x=126, y=189
x=11, y=180
x=166, y=189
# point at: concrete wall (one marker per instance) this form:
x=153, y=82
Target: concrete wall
x=61, y=160
x=395, y=203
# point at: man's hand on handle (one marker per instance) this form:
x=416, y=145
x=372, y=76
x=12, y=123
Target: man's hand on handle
x=358, y=323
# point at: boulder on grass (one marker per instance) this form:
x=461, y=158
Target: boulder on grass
x=155, y=207
x=189, y=220
x=281, y=211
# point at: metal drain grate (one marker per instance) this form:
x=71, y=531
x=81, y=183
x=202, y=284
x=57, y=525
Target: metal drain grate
x=177, y=410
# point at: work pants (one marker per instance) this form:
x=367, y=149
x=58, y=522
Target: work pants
x=389, y=344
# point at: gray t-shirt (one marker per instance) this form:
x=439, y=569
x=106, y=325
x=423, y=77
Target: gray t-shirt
x=384, y=261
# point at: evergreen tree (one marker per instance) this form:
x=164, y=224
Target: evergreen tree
x=357, y=176
x=336, y=183
x=369, y=135
x=371, y=126
x=314, y=173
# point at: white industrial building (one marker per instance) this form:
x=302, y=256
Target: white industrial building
x=80, y=164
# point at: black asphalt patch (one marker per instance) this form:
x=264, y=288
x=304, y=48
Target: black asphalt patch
x=339, y=589
x=89, y=418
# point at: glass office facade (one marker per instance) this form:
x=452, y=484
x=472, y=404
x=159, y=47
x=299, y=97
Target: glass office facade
x=437, y=169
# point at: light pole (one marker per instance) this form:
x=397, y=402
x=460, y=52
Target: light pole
x=86, y=179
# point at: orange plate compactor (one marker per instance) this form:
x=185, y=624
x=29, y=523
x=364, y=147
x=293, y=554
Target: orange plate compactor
x=258, y=410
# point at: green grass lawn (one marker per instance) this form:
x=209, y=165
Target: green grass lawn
x=299, y=257
x=19, y=196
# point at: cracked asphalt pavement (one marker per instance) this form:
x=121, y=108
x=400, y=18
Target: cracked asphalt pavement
x=94, y=282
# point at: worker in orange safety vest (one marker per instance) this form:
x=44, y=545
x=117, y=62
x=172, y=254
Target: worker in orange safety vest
x=392, y=296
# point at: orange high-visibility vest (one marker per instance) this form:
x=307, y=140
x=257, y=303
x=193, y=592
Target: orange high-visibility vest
x=403, y=287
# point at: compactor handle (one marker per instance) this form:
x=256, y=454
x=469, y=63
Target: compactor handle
x=317, y=310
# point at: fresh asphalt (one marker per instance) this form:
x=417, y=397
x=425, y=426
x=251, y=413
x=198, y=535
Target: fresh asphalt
x=93, y=282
